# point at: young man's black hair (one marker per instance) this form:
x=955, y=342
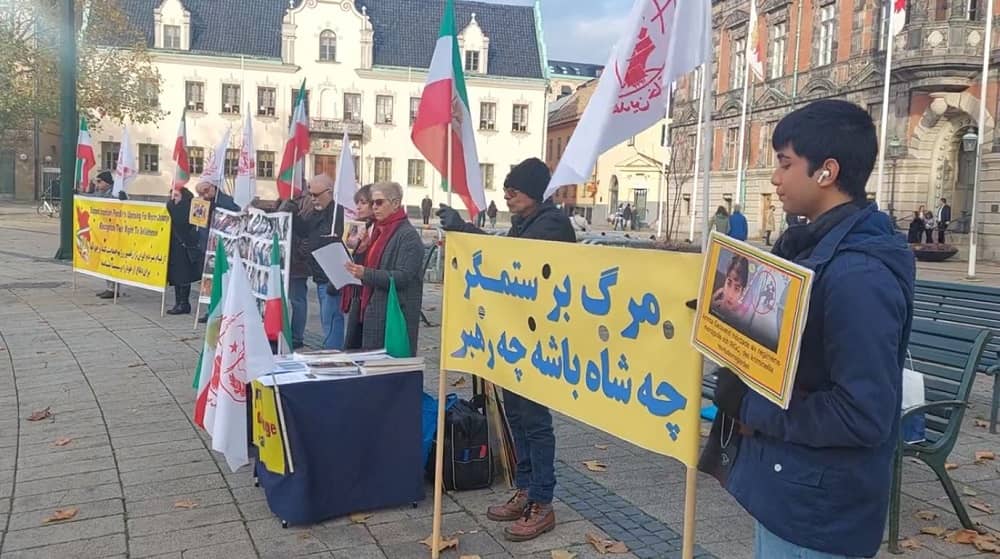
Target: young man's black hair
x=832, y=129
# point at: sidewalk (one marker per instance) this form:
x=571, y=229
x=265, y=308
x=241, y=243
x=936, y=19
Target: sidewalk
x=117, y=380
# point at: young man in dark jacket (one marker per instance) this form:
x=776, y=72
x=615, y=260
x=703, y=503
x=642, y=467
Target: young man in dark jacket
x=531, y=424
x=816, y=477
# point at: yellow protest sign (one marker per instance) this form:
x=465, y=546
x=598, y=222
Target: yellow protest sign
x=751, y=315
x=200, y=208
x=266, y=431
x=122, y=241
x=600, y=334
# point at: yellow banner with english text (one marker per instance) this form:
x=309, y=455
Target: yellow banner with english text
x=600, y=334
x=122, y=241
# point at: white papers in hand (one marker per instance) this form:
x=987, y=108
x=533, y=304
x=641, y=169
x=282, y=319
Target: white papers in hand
x=332, y=258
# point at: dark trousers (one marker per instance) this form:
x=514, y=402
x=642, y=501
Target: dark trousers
x=941, y=230
x=182, y=296
x=534, y=445
x=929, y=233
x=767, y=238
x=427, y=219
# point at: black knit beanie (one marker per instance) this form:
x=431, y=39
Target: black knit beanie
x=531, y=177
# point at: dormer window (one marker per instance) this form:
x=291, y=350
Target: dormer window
x=472, y=61
x=328, y=46
x=172, y=37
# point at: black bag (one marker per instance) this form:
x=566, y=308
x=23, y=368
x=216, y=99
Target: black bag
x=468, y=461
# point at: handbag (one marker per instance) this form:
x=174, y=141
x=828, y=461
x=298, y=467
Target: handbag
x=397, y=338
x=913, y=428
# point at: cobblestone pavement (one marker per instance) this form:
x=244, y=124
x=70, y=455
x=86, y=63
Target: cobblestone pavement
x=117, y=380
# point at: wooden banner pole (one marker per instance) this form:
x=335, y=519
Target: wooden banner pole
x=690, y=506
x=163, y=303
x=115, y=302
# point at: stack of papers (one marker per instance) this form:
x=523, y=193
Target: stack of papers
x=335, y=363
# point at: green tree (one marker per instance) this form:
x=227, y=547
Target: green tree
x=116, y=78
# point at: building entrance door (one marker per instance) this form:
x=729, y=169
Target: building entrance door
x=325, y=164
x=7, y=159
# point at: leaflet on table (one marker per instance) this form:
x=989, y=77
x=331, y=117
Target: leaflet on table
x=332, y=353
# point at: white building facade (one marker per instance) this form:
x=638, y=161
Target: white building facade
x=364, y=64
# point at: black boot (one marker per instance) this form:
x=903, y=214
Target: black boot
x=182, y=304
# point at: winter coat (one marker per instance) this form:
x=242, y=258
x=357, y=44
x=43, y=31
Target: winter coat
x=721, y=223
x=314, y=230
x=426, y=205
x=769, y=220
x=185, y=259
x=819, y=474
x=402, y=261
x=738, y=228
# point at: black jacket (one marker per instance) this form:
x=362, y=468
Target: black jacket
x=185, y=260
x=548, y=224
x=315, y=230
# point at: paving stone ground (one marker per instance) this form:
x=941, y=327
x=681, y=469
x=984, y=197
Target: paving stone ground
x=117, y=379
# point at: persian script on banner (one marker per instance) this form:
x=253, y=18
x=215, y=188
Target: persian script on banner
x=600, y=334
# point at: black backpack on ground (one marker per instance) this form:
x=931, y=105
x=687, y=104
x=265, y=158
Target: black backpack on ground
x=468, y=461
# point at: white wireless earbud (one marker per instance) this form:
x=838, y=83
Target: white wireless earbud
x=823, y=176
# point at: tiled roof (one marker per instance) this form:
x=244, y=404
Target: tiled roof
x=405, y=30
x=574, y=69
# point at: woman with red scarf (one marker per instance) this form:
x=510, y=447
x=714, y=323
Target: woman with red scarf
x=358, y=242
x=395, y=252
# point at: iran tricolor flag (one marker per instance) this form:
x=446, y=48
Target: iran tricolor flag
x=445, y=102
x=203, y=374
x=84, y=157
x=182, y=172
x=898, y=17
x=755, y=58
x=296, y=148
x=241, y=355
x=276, y=322
x=664, y=40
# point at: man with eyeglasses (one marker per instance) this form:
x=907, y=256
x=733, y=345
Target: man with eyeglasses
x=533, y=217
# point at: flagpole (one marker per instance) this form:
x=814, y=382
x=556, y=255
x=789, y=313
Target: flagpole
x=663, y=164
x=705, y=122
x=884, y=125
x=743, y=126
x=697, y=159
x=439, y=444
x=980, y=133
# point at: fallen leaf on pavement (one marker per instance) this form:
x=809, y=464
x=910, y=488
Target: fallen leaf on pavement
x=134, y=365
x=987, y=543
x=909, y=543
x=189, y=339
x=62, y=441
x=969, y=492
x=430, y=308
x=950, y=466
x=982, y=423
x=185, y=504
x=445, y=543
x=935, y=531
x=62, y=514
x=562, y=554
x=982, y=455
x=982, y=507
x=604, y=546
x=596, y=466
x=470, y=557
x=601, y=446
x=459, y=382
x=39, y=415
x=962, y=536
x=360, y=517
x=926, y=515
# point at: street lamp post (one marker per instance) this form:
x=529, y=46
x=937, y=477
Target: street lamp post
x=895, y=153
x=68, y=128
x=970, y=140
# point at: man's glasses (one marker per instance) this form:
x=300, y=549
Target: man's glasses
x=318, y=194
x=509, y=193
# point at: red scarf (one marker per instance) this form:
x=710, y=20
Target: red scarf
x=381, y=233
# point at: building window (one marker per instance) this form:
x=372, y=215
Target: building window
x=415, y=172
x=972, y=10
x=565, y=90
x=883, y=29
x=352, y=107
x=739, y=60
x=328, y=46
x=265, y=164
x=149, y=158
x=194, y=95
x=196, y=158
x=109, y=154
x=172, y=37
x=230, y=99
x=487, y=116
x=472, y=61
x=383, y=109
x=414, y=107
x=827, y=25
x=730, y=151
x=266, y=101
x=559, y=149
x=357, y=167
x=232, y=165
x=779, y=38
x=694, y=83
x=151, y=93
x=487, y=170
x=520, y=118
x=941, y=10
x=383, y=169
x=766, y=155
x=295, y=97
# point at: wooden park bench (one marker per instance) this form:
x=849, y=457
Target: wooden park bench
x=974, y=306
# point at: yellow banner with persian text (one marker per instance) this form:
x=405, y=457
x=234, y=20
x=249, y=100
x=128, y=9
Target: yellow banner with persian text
x=122, y=241
x=600, y=334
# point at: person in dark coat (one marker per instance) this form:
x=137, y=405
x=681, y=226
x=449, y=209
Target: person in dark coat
x=358, y=241
x=395, y=252
x=530, y=508
x=426, y=207
x=916, y=231
x=299, y=270
x=738, y=228
x=491, y=212
x=184, y=260
x=943, y=219
x=208, y=190
x=816, y=477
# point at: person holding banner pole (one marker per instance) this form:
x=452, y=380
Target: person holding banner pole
x=817, y=476
x=530, y=508
x=184, y=259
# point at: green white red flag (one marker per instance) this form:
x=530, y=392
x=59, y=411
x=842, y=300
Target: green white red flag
x=444, y=109
x=182, y=172
x=296, y=148
x=203, y=373
x=85, y=161
x=276, y=318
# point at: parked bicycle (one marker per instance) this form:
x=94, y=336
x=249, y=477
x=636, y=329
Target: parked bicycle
x=48, y=205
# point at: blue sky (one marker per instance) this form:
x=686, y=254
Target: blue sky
x=580, y=30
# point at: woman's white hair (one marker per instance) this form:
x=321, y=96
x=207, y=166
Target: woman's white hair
x=391, y=190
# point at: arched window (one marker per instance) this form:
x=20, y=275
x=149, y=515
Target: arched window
x=328, y=46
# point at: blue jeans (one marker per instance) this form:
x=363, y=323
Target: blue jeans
x=298, y=291
x=769, y=546
x=331, y=318
x=534, y=446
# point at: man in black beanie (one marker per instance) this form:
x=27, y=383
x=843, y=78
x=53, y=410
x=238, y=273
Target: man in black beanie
x=530, y=423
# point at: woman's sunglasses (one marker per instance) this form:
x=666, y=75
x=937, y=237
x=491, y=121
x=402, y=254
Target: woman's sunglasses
x=379, y=202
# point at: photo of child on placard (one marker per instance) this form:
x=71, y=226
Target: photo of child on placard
x=749, y=295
